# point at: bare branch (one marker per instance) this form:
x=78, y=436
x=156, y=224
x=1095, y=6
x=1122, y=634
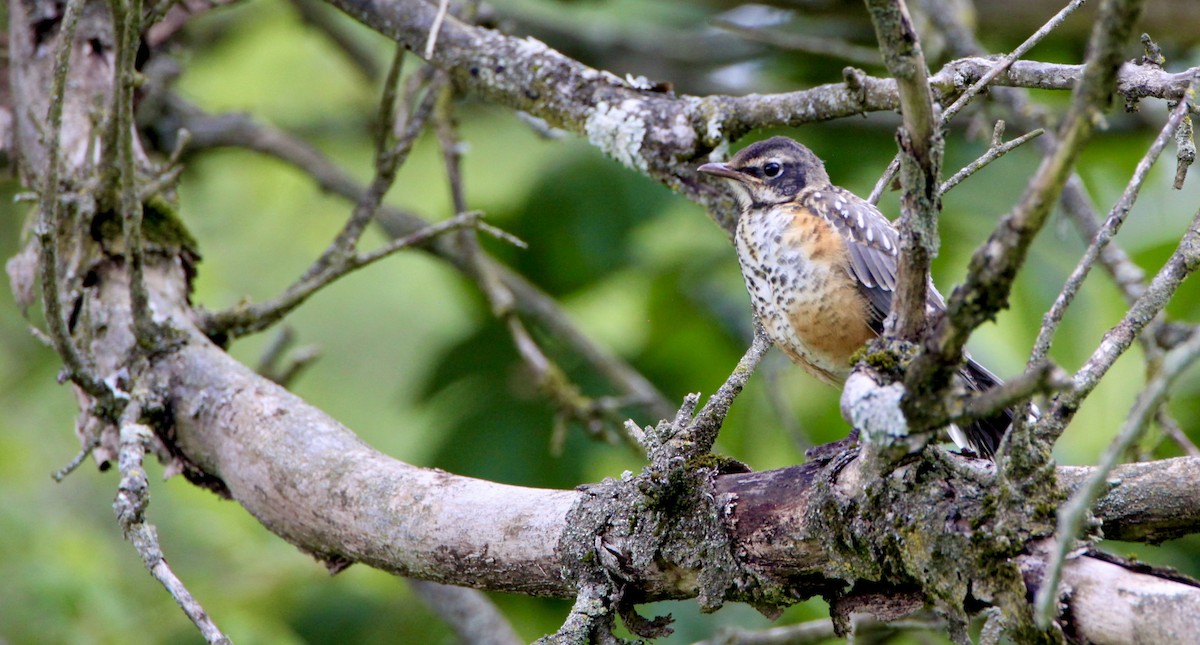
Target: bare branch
x=821, y=46
x=998, y=149
x=697, y=435
x=472, y=616
x=241, y=131
x=49, y=224
x=130, y=506
x=996, y=261
x=127, y=17
x=1178, y=267
x=1116, y=217
x=1072, y=514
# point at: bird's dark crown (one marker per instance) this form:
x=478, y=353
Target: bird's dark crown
x=770, y=172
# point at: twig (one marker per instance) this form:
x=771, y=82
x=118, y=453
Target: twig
x=49, y=221
x=130, y=506
x=1182, y=263
x=469, y=612
x=339, y=258
x=1044, y=378
x=268, y=364
x=699, y=435
x=247, y=318
x=1186, y=153
x=1073, y=513
x=361, y=57
x=388, y=159
x=819, y=631
x=1116, y=217
x=88, y=446
x=127, y=16
x=823, y=46
x=1171, y=429
x=997, y=68
x=443, y=6
x=994, y=152
x=1004, y=63
x=241, y=131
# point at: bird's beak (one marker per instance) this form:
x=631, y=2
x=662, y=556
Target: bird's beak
x=720, y=170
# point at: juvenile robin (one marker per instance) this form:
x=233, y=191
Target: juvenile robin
x=820, y=265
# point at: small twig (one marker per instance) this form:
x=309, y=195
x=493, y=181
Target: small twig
x=390, y=155
x=276, y=348
x=819, y=45
x=1007, y=61
x=268, y=365
x=1072, y=514
x=318, y=16
x=701, y=433
x=819, y=631
x=339, y=258
x=1117, y=340
x=1172, y=430
x=49, y=221
x=885, y=180
x=84, y=452
x=994, y=152
x=127, y=17
x=247, y=318
x=998, y=68
x=469, y=612
x=133, y=495
x=1184, y=141
x=1116, y=217
x=443, y=7
x=1044, y=378
x=241, y=131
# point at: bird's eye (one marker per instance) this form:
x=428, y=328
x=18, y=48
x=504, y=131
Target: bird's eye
x=771, y=169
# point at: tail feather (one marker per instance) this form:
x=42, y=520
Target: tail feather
x=982, y=436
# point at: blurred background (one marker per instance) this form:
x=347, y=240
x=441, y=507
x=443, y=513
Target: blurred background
x=412, y=360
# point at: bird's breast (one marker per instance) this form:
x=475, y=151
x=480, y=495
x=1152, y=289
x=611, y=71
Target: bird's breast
x=796, y=270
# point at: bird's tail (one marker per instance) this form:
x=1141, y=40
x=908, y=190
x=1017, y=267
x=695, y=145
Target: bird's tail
x=982, y=436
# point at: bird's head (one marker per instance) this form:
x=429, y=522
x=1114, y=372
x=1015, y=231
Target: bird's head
x=769, y=172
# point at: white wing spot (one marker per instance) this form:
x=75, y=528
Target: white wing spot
x=860, y=219
x=870, y=235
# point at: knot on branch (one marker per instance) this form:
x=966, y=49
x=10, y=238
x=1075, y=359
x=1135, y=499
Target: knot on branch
x=658, y=533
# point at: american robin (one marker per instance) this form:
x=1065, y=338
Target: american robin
x=820, y=265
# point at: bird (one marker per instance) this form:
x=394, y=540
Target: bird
x=819, y=263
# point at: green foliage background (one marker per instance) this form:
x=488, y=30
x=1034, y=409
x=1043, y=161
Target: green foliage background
x=415, y=364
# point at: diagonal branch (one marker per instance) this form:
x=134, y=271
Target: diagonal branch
x=995, y=263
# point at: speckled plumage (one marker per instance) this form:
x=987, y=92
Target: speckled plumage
x=820, y=266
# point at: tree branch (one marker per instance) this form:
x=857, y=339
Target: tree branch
x=921, y=149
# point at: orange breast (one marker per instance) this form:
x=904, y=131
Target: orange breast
x=810, y=305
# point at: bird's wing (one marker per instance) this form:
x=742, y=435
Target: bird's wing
x=872, y=243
